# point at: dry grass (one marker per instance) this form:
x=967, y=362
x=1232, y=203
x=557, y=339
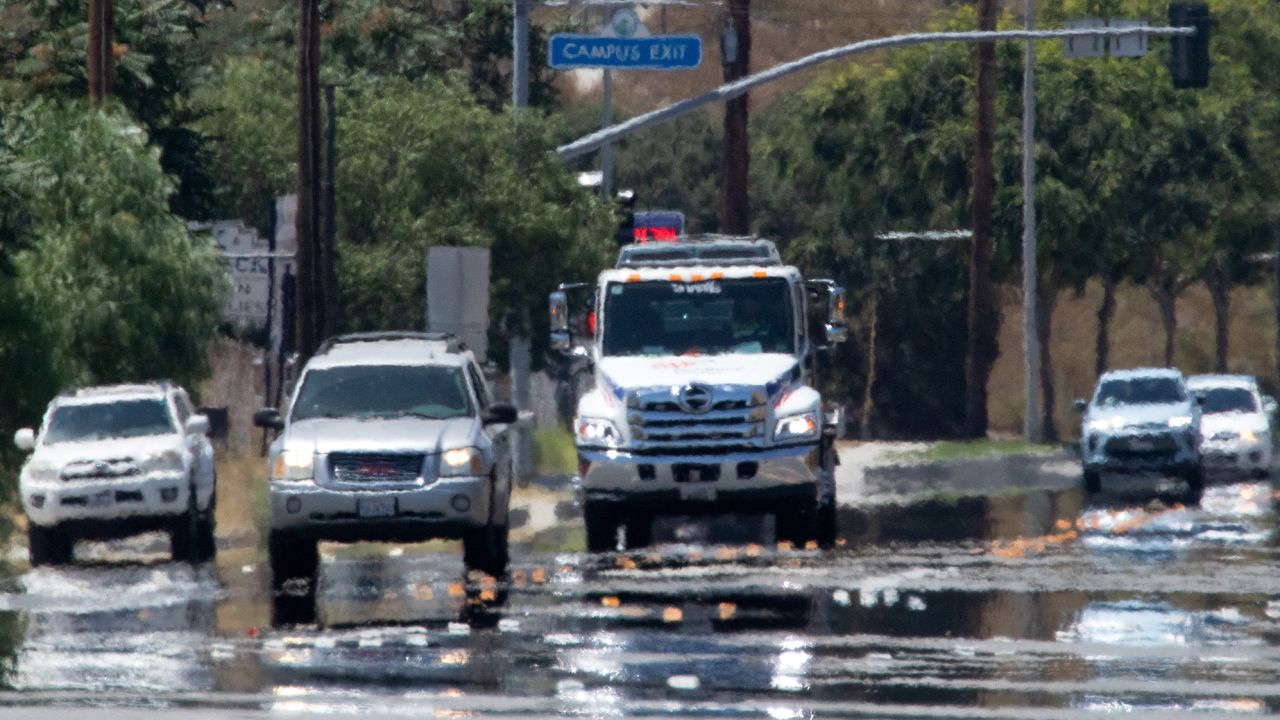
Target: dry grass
x=1137, y=339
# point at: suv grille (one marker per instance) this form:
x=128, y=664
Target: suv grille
x=375, y=468
x=100, y=469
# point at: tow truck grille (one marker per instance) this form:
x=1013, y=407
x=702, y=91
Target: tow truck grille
x=659, y=424
x=371, y=468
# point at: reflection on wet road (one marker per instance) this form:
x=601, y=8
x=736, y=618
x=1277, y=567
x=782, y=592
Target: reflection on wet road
x=1042, y=604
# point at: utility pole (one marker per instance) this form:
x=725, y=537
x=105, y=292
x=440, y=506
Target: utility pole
x=309, y=308
x=980, y=351
x=329, y=254
x=1031, y=425
x=606, y=152
x=735, y=50
x=100, y=60
x=520, y=54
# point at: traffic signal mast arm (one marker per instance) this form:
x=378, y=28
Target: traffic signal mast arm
x=728, y=91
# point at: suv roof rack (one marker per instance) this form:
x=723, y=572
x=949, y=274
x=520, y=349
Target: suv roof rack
x=452, y=343
x=703, y=249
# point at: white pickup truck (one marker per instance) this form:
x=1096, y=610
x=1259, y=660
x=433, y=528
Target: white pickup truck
x=703, y=353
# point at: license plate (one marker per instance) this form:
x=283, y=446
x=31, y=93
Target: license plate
x=100, y=499
x=376, y=507
x=1141, y=445
x=699, y=492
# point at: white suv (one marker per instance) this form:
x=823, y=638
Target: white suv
x=117, y=460
x=392, y=437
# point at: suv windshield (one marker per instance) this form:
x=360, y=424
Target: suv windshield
x=383, y=391
x=117, y=419
x=1140, y=391
x=1226, y=400
x=703, y=318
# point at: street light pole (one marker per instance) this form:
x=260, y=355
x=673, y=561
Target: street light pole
x=520, y=54
x=1031, y=425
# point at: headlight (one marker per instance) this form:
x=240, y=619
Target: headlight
x=167, y=461
x=42, y=471
x=1180, y=421
x=294, y=464
x=598, y=431
x=796, y=427
x=462, y=461
x=1106, y=424
x=1248, y=436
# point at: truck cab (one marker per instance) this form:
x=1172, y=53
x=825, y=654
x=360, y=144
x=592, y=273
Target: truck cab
x=703, y=353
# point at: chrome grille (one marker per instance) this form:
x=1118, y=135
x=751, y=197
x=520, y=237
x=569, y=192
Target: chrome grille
x=658, y=423
x=105, y=469
x=375, y=468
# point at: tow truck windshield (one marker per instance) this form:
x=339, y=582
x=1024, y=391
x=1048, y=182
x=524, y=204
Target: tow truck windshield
x=699, y=318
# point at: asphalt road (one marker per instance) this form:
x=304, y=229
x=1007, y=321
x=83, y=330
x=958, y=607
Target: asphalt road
x=1024, y=599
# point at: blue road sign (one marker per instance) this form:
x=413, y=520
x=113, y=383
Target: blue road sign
x=656, y=52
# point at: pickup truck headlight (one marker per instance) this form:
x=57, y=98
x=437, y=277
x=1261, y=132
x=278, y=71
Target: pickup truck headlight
x=795, y=427
x=598, y=431
x=1180, y=421
x=294, y=464
x=462, y=461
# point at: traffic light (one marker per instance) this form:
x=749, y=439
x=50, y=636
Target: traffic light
x=626, y=232
x=1189, y=59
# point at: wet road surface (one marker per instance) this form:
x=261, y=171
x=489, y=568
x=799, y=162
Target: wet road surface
x=1039, y=603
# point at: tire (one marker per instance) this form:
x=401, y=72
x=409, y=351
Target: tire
x=602, y=527
x=639, y=530
x=206, y=543
x=1195, y=483
x=294, y=561
x=797, y=525
x=827, y=525
x=49, y=546
x=486, y=549
x=184, y=534
x=1092, y=480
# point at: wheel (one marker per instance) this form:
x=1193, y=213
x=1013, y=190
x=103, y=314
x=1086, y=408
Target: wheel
x=639, y=530
x=1092, y=480
x=1195, y=483
x=602, y=527
x=49, y=546
x=827, y=525
x=797, y=525
x=295, y=564
x=206, y=546
x=184, y=534
x=485, y=549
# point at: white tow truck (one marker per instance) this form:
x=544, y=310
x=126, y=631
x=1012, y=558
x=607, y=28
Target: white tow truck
x=703, y=353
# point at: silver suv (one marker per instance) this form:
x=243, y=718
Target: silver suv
x=392, y=437
x=1141, y=420
x=116, y=460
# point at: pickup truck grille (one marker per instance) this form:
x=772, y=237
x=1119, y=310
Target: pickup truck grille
x=659, y=424
x=375, y=468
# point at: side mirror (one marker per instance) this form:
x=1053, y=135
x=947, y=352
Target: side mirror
x=558, y=303
x=1199, y=398
x=500, y=413
x=1080, y=405
x=1269, y=404
x=268, y=418
x=198, y=425
x=25, y=439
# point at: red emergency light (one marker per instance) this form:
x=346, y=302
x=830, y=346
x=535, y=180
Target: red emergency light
x=656, y=234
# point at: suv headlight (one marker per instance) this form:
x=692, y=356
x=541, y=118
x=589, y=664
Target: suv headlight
x=1103, y=425
x=461, y=461
x=42, y=471
x=795, y=427
x=1180, y=421
x=167, y=461
x=598, y=431
x=294, y=464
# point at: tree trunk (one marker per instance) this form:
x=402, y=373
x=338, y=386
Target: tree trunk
x=1167, y=298
x=1220, y=292
x=734, y=216
x=99, y=57
x=1046, y=300
x=980, y=350
x=1106, y=311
